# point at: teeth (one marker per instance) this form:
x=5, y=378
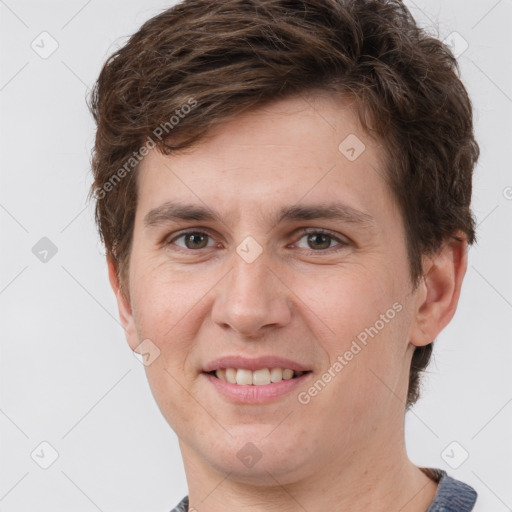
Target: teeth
x=276, y=375
x=287, y=374
x=260, y=377
x=221, y=374
x=230, y=375
x=243, y=376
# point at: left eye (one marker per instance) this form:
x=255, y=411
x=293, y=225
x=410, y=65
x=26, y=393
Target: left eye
x=318, y=240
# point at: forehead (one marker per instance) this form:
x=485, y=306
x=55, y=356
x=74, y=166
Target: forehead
x=308, y=147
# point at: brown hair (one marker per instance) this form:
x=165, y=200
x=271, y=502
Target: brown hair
x=203, y=61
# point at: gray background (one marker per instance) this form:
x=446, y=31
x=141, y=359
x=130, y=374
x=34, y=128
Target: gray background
x=67, y=374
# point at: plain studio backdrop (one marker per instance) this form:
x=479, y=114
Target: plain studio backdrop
x=68, y=378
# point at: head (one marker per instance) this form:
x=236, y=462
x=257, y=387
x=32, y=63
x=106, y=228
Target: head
x=248, y=109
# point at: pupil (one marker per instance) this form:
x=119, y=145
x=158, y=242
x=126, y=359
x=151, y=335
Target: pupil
x=313, y=238
x=196, y=238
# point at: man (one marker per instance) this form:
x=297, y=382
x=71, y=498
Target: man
x=283, y=189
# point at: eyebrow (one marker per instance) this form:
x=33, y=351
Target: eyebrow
x=173, y=212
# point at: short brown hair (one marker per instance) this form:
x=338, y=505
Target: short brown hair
x=224, y=57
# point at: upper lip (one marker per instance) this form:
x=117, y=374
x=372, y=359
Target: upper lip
x=253, y=364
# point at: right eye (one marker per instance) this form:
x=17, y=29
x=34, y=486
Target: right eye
x=192, y=240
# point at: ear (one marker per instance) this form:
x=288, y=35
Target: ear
x=438, y=294
x=123, y=305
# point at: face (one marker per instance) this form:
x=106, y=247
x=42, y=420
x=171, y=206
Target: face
x=274, y=245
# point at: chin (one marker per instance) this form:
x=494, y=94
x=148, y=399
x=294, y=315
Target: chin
x=266, y=472
x=255, y=457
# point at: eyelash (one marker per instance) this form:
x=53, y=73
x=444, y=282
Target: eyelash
x=305, y=231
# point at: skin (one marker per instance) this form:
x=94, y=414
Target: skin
x=345, y=449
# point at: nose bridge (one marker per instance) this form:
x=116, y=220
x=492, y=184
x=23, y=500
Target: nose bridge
x=251, y=297
x=251, y=279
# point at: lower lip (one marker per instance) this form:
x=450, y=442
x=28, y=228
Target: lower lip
x=250, y=394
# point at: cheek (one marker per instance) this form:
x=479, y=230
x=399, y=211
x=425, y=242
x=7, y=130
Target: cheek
x=347, y=299
x=170, y=307
x=363, y=324
x=164, y=297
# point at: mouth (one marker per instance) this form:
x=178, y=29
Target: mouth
x=258, y=380
x=260, y=377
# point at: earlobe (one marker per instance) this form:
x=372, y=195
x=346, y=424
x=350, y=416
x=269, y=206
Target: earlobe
x=439, y=291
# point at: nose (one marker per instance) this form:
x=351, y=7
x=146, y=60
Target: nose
x=252, y=299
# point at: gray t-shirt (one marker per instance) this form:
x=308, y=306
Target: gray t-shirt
x=451, y=496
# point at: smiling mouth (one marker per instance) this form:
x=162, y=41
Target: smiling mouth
x=261, y=377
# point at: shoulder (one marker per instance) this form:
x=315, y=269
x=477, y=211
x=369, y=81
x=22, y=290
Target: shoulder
x=452, y=495
x=182, y=506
